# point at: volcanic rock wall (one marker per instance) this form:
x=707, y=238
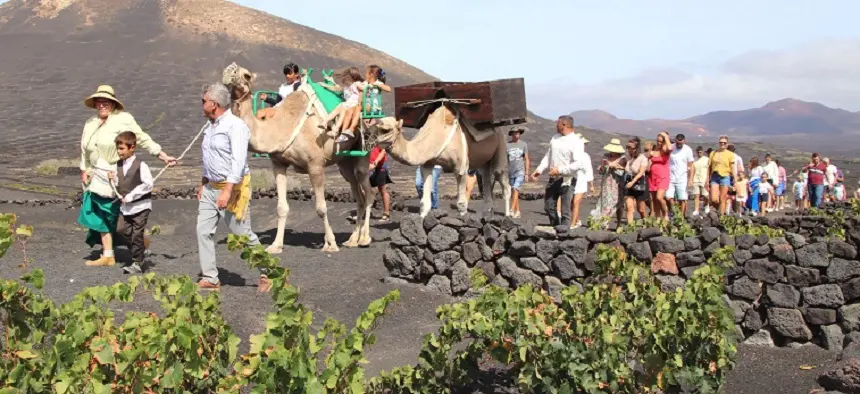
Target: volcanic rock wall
x=783, y=290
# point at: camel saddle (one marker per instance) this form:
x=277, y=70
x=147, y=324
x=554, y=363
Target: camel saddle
x=476, y=133
x=481, y=106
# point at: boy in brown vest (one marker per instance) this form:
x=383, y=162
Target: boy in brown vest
x=134, y=183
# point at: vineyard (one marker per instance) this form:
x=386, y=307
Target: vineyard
x=621, y=333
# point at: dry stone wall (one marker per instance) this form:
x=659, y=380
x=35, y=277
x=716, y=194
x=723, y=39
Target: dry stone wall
x=797, y=288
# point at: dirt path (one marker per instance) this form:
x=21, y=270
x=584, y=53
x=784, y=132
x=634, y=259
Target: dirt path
x=339, y=285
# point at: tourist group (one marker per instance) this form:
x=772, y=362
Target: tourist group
x=656, y=179
x=651, y=179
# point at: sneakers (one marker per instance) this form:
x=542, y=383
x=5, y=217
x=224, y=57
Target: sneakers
x=345, y=141
x=385, y=218
x=696, y=213
x=133, y=268
x=103, y=261
x=516, y=215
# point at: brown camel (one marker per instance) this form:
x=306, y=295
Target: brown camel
x=289, y=133
x=443, y=141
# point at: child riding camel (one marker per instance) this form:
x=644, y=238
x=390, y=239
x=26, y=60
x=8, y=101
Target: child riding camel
x=350, y=110
x=351, y=80
x=293, y=77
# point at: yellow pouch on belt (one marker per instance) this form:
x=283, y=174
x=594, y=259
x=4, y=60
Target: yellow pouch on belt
x=239, y=198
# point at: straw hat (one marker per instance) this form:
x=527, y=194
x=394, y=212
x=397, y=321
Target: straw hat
x=582, y=137
x=521, y=129
x=614, y=146
x=105, y=92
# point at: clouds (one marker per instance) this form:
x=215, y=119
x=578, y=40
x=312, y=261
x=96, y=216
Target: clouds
x=823, y=71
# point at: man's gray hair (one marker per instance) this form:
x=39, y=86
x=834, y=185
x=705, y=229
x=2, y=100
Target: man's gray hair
x=566, y=120
x=218, y=93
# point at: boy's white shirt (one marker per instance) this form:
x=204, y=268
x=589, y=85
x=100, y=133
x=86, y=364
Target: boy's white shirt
x=128, y=209
x=287, y=89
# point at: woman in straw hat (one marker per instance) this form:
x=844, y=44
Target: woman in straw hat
x=100, y=206
x=612, y=169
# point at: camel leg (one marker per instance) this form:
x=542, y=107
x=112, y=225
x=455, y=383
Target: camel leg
x=427, y=174
x=360, y=213
x=280, y=172
x=506, y=191
x=462, y=201
x=489, y=180
x=318, y=184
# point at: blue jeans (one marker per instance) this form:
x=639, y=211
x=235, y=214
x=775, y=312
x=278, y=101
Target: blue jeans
x=419, y=186
x=816, y=193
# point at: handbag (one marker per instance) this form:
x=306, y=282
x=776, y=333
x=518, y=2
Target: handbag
x=640, y=185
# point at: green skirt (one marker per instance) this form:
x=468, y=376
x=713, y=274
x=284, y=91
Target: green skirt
x=99, y=215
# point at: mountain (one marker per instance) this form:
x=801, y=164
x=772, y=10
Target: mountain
x=156, y=54
x=787, y=116
x=791, y=122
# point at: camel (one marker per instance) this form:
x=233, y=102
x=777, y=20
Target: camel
x=443, y=141
x=289, y=133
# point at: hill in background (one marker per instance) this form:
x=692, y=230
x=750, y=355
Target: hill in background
x=156, y=54
x=789, y=122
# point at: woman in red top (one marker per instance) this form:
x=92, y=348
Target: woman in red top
x=658, y=180
x=379, y=179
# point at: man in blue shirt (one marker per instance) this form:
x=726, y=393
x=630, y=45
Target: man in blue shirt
x=224, y=191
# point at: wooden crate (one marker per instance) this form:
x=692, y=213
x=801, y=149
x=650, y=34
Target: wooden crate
x=496, y=102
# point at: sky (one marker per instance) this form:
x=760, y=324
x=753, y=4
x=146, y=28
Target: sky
x=634, y=59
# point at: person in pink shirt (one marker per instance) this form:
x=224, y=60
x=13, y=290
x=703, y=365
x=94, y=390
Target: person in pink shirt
x=780, y=187
x=658, y=180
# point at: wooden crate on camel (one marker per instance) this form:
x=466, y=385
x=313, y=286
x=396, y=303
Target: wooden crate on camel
x=483, y=105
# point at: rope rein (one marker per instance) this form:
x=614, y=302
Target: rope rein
x=119, y=196
x=421, y=103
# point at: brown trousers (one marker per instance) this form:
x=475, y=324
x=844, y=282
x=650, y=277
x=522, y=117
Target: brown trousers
x=131, y=228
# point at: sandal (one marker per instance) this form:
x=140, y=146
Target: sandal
x=385, y=218
x=265, y=284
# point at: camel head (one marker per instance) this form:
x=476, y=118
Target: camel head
x=238, y=79
x=388, y=130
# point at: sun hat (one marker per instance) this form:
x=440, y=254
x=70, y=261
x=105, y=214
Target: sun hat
x=105, y=92
x=521, y=129
x=614, y=146
x=582, y=137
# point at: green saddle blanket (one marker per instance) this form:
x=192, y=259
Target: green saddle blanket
x=330, y=100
